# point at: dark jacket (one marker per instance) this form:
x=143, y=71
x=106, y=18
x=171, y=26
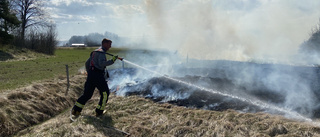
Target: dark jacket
x=98, y=60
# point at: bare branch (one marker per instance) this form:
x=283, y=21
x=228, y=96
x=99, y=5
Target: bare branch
x=31, y=14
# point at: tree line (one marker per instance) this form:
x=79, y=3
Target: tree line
x=94, y=39
x=312, y=45
x=26, y=24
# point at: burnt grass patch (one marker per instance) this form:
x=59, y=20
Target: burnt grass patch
x=196, y=98
x=269, y=83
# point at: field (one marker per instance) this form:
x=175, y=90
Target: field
x=39, y=106
x=28, y=67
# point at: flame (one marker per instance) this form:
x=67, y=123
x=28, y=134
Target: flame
x=82, y=72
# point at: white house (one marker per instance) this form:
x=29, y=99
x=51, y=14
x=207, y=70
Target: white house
x=78, y=45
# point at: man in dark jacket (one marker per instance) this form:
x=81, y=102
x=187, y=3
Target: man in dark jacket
x=95, y=67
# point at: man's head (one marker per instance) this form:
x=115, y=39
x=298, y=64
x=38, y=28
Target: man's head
x=106, y=44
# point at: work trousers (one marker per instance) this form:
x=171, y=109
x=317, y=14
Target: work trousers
x=95, y=79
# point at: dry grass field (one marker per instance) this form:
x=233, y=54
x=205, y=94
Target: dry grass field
x=42, y=108
x=45, y=112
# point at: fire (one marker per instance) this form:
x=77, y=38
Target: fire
x=82, y=72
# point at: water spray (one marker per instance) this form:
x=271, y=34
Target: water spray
x=254, y=102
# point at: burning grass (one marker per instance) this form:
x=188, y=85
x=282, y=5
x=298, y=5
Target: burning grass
x=142, y=117
x=25, y=109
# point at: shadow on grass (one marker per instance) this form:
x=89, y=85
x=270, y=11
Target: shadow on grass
x=104, y=124
x=5, y=56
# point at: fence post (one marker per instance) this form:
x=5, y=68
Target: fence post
x=187, y=58
x=122, y=64
x=68, y=84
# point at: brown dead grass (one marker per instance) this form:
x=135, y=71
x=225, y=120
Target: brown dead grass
x=22, y=55
x=23, y=110
x=34, y=104
x=141, y=117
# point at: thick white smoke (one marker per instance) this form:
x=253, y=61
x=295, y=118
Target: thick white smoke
x=233, y=30
x=263, y=31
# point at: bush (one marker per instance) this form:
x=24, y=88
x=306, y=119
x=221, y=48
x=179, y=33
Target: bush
x=43, y=42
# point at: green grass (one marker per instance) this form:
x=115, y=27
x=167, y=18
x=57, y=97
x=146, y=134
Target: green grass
x=14, y=74
x=28, y=67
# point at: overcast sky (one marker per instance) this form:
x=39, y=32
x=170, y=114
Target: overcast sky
x=80, y=17
x=124, y=17
x=229, y=29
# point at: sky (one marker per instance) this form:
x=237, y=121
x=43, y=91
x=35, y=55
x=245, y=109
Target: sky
x=207, y=29
x=81, y=17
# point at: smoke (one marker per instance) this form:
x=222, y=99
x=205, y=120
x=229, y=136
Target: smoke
x=269, y=31
x=292, y=91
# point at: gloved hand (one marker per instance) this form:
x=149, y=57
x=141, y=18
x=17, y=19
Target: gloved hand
x=114, y=58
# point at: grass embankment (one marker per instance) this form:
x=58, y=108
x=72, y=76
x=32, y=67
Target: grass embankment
x=27, y=106
x=19, y=68
x=141, y=117
x=21, y=105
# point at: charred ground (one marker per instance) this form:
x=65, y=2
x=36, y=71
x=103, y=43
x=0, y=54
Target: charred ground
x=42, y=108
x=47, y=114
x=296, y=87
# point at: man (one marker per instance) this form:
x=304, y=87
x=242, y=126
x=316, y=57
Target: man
x=95, y=67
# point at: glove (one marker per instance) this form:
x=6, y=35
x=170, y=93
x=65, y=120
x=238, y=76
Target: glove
x=114, y=58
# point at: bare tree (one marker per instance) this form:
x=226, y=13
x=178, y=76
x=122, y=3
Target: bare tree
x=31, y=14
x=43, y=42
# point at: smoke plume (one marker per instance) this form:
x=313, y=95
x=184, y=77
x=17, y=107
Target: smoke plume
x=268, y=31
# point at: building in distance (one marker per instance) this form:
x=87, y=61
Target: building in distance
x=78, y=45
